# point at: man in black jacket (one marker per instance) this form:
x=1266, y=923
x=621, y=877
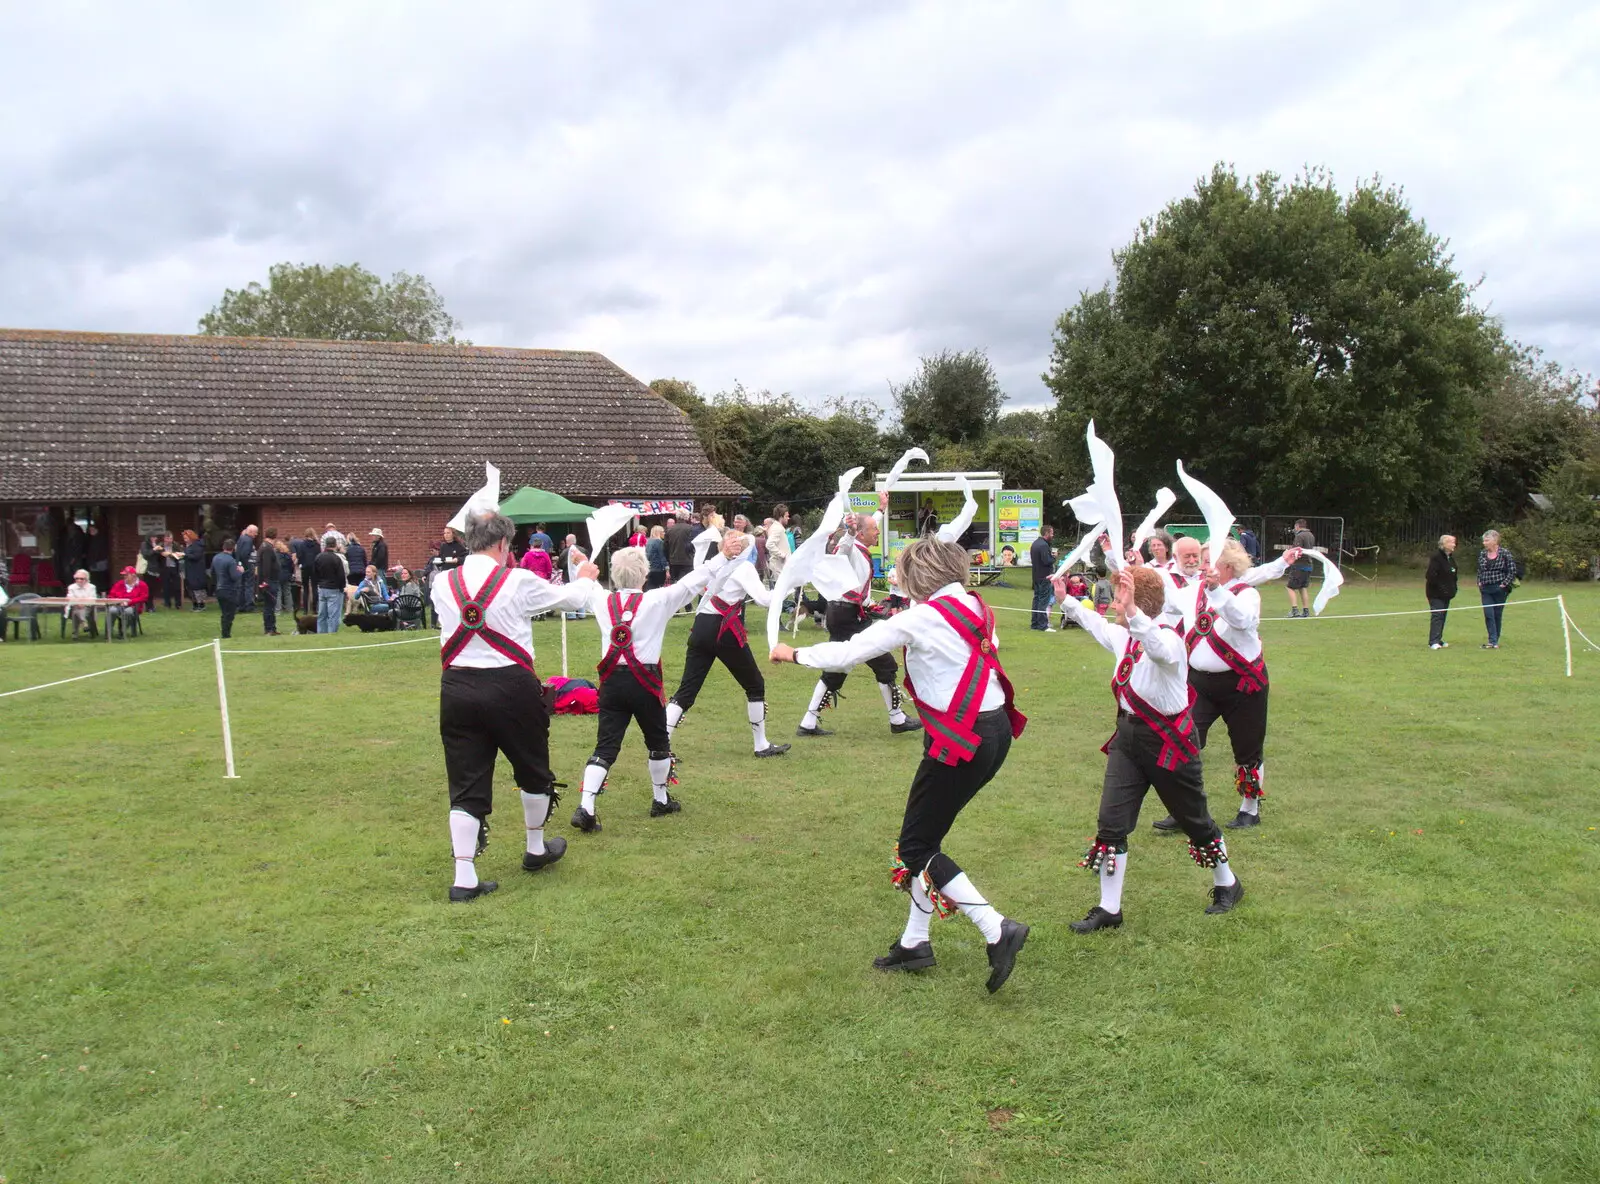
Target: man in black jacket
x=1043, y=561
x=680, y=555
x=1440, y=585
x=380, y=550
x=268, y=571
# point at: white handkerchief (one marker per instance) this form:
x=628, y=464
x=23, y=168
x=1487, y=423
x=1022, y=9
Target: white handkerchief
x=605, y=522
x=969, y=509
x=485, y=501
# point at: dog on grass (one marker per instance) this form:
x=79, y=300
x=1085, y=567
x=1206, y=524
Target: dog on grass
x=305, y=622
x=371, y=622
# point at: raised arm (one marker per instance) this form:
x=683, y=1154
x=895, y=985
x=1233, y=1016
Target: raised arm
x=677, y=595
x=1265, y=573
x=1242, y=611
x=881, y=637
x=1163, y=646
x=744, y=574
x=1090, y=621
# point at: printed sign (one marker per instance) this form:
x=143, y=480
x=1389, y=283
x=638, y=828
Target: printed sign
x=650, y=509
x=150, y=524
x=1019, y=515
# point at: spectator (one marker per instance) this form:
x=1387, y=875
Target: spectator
x=331, y=531
x=541, y=534
x=328, y=574
x=80, y=589
x=1497, y=572
x=537, y=560
x=741, y=523
x=149, y=568
x=244, y=552
x=372, y=594
x=1299, y=575
x=268, y=574
x=171, y=572
x=288, y=577
x=306, y=548
x=228, y=574
x=134, y=594
x=927, y=519
x=380, y=550
x=637, y=537
x=194, y=569
x=98, y=549
x=1159, y=548
x=1043, y=558
x=761, y=550
x=1439, y=585
x=451, y=552
x=407, y=599
x=680, y=555
x=655, y=553
x=1251, y=545
x=778, y=546
x=356, y=557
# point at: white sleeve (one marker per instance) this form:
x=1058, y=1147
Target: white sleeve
x=1161, y=645
x=744, y=574
x=1265, y=573
x=878, y=638
x=535, y=596
x=681, y=593
x=1243, y=611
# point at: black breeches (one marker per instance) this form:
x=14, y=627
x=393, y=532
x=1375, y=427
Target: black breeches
x=1218, y=695
x=938, y=793
x=1132, y=769
x=485, y=712
x=623, y=698
x=707, y=648
x=844, y=622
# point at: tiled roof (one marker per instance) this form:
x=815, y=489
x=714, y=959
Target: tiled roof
x=93, y=417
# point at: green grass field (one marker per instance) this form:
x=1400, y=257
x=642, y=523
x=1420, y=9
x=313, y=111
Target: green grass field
x=261, y=980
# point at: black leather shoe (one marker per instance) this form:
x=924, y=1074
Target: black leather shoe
x=1242, y=820
x=554, y=848
x=461, y=895
x=918, y=957
x=911, y=725
x=1003, y=953
x=671, y=806
x=802, y=730
x=1098, y=918
x=773, y=750
x=1167, y=825
x=586, y=822
x=1223, y=899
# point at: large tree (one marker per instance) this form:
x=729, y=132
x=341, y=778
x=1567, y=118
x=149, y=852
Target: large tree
x=953, y=398
x=344, y=303
x=1303, y=351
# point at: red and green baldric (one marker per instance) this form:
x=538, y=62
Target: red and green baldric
x=1252, y=675
x=952, y=738
x=622, y=607
x=474, y=616
x=1176, y=732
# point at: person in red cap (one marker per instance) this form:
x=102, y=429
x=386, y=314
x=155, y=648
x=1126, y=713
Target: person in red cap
x=135, y=594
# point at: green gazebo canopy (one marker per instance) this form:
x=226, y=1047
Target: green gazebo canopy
x=539, y=505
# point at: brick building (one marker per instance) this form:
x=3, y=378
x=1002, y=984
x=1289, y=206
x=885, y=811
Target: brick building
x=135, y=430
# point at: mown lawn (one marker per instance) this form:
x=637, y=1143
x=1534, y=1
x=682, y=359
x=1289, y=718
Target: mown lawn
x=260, y=979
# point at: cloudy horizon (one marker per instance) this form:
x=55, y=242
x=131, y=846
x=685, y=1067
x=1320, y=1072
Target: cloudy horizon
x=803, y=197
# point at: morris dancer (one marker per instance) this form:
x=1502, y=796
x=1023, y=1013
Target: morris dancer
x=847, y=616
x=489, y=699
x=962, y=693
x=718, y=633
x=1228, y=669
x=633, y=624
x=1154, y=746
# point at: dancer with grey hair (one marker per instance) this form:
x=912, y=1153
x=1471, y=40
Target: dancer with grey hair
x=633, y=624
x=489, y=697
x=954, y=676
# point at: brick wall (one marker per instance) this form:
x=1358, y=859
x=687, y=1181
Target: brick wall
x=410, y=527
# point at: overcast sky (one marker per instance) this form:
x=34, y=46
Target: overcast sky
x=798, y=196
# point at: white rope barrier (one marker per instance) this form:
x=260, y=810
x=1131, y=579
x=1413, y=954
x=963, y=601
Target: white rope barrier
x=1460, y=608
x=338, y=649
x=1567, y=617
x=96, y=674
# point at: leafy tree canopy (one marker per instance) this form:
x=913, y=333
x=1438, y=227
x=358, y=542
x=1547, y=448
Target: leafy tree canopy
x=344, y=303
x=953, y=398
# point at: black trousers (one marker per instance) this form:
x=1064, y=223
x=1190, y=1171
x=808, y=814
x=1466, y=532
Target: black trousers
x=228, y=602
x=656, y=579
x=679, y=570
x=1132, y=770
x=940, y=791
x=1218, y=696
x=704, y=650
x=171, y=593
x=269, y=609
x=1436, y=619
x=844, y=622
x=485, y=712
x=623, y=698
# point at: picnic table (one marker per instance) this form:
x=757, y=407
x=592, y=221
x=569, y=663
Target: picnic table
x=15, y=608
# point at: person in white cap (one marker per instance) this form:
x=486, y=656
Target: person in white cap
x=379, y=555
x=490, y=700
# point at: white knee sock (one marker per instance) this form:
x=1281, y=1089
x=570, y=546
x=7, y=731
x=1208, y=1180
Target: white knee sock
x=811, y=719
x=756, y=713
x=535, y=813
x=897, y=714
x=674, y=714
x=974, y=907
x=660, y=770
x=464, y=842
x=1250, y=805
x=1253, y=805
x=1111, y=881
x=593, y=778
x=1222, y=875
x=920, y=917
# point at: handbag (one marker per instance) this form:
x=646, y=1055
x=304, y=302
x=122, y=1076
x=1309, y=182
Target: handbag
x=141, y=564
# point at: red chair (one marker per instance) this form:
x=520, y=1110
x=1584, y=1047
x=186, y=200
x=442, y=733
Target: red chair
x=45, y=578
x=22, y=571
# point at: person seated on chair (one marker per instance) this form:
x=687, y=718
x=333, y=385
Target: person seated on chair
x=408, y=599
x=80, y=589
x=135, y=594
x=372, y=595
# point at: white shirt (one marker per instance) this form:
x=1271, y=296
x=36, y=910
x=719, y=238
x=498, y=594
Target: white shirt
x=654, y=611
x=936, y=655
x=1238, y=619
x=860, y=562
x=1161, y=675
x=521, y=598
x=777, y=542
x=743, y=583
